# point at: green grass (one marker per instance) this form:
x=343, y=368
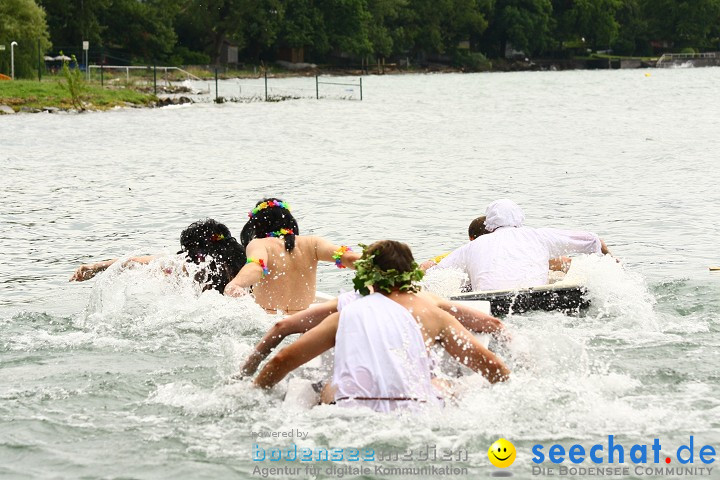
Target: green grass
x=51, y=93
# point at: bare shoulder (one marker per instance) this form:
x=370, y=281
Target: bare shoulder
x=308, y=244
x=418, y=304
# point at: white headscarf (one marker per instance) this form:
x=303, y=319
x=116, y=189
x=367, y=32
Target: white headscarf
x=503, y=213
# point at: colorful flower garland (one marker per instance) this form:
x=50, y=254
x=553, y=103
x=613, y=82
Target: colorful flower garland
x=281, y=233
x=260, y=262
x=217, y=237
x=337, y=255
x=264, y=205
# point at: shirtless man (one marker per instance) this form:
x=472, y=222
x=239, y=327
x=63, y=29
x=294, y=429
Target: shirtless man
x=301, y=322
x=281, y=264
x=381, y=340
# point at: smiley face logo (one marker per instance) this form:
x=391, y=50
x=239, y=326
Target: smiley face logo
x=501, y=453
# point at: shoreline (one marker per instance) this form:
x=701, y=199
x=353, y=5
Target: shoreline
x=95, y=98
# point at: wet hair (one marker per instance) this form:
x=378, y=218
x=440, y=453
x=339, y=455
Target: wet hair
x=477, y=228
x=209, y=238
x=392, y=255
x=385, y=266
x=269, y=220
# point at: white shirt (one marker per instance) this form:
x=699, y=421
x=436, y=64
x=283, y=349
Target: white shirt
x=516, y=257
x=381, y=361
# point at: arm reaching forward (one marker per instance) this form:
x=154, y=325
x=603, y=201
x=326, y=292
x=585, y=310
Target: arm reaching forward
x=309, y=346
x=251, y=273
x=300, y=322
x=466, y=349
x=89, y=270
x=327, y=252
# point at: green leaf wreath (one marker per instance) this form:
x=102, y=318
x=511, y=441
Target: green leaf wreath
x=367, y=274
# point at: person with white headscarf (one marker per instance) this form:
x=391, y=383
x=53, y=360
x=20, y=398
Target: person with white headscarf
x=515, y=256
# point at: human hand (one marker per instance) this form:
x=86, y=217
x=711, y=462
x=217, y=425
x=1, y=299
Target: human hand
x=427, y=264
x=84, y=272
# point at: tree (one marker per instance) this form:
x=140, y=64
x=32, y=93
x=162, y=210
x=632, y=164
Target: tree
x=22, y=21
x=632, y=36
x=684, y=23
x=73, y=21
x=346, y=24
x=144, y=28
x=525, y=24
x=593, y=20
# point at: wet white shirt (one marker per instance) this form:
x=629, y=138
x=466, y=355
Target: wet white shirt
x=381, y=361
x=516, y=257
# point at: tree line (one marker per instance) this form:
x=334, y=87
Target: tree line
x=336, y=31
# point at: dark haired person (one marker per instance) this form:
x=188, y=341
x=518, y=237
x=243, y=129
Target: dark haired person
x=281, y=263
x=381, y=340
x=206, y=241
x=513, y=255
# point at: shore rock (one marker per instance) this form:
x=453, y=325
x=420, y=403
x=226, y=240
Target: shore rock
x=164, y=102
x=5, y=110
x=50, y=109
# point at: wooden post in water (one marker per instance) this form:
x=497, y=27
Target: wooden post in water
x=155, y=77
x=317, y=88
x=266, y=97
x=361, y=89
x=216, y=85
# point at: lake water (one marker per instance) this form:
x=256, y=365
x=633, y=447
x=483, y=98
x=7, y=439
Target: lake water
x=125, y=376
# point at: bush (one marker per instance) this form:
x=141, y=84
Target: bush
x=471, y=61
x=74, y=82
x=185, y=56
x=688, y=50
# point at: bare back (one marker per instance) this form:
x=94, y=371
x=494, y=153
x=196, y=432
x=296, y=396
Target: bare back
x=292, y=278
x=438, y=326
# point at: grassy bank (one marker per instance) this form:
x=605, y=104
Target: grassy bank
x=29, y=95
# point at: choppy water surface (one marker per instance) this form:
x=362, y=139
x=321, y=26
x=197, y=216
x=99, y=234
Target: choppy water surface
x=125, y=376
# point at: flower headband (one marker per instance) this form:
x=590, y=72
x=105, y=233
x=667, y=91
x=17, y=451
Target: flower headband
x=281, y=233
x=217, y=237
x=268, y=204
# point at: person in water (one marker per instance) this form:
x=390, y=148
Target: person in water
x=381, y=340
x=477, y=229
x=205, y=242
x=301, y=322
x=514, y=256
x=282, y=264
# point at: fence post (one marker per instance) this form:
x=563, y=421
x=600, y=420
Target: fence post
x=266, y=97
x=155, y=77
x=361, y=89
x=102, y=74
x=216, y=85
x=317, y=88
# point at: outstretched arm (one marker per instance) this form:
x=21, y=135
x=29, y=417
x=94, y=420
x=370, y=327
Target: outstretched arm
x=89, y=270
x=251, y=273
x=309, y=346
x=300, y=322
x=325, y=251
x=470, y=318
x=466, y=349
